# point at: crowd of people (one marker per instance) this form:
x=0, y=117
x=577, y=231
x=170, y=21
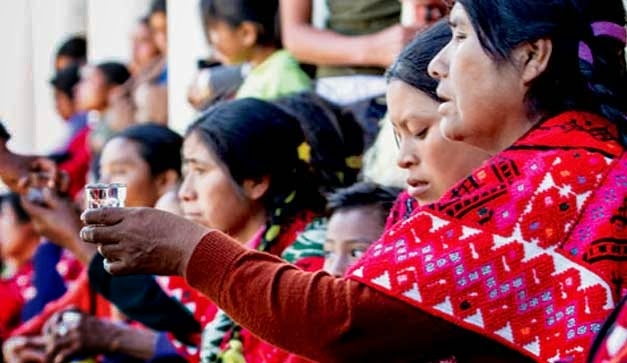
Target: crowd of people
x=272, y=231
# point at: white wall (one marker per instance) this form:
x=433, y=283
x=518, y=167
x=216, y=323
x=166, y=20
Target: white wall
x=186, y=44
x=30, y=31
x=109, y=24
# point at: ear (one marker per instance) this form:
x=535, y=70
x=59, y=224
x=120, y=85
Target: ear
x=248, y=32
x=533, y=58
x=166, y=181
x=256, y=189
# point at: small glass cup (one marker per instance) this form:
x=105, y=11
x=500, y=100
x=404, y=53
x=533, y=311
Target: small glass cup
x=101, y=195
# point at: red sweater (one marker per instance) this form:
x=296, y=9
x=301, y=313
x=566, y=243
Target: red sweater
x=325, y=318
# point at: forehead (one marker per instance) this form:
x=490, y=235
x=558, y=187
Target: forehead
x=120, y=149
x=358, y=217
x=458, y=16
x=195, y=147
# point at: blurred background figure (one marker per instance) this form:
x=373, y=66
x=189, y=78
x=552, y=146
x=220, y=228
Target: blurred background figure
x=71, y=51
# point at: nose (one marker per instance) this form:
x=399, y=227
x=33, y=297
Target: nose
x=438, y=67
x=337, y=266
x=186, y=192
x=406, y=153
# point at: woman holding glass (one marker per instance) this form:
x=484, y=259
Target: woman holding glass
x=520, y=259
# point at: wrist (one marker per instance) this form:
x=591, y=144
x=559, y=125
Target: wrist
x=196, y=235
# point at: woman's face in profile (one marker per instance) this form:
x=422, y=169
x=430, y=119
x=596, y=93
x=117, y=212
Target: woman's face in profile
x=479, y=94
x=434, y=164
x=208, y=194
x=121, y=162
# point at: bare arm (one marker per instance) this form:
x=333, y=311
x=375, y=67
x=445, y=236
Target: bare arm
x=323, y=47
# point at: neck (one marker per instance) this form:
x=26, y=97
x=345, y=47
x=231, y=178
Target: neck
x=251, y=226
x=260, y=54
x=516, y=128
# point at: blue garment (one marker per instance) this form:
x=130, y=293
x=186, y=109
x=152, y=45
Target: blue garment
x=162, y=78
x=47, y=281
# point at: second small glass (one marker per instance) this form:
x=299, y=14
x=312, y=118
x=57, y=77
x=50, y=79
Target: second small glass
x=101, y=195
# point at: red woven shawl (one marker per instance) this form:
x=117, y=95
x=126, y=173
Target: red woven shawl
x=528, y=250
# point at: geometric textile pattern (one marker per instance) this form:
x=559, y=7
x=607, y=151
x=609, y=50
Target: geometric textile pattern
x=528, y=251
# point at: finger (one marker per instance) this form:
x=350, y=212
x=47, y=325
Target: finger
x=113, y=252
x=59, y=342
x=104, y=216
x=23, y=183
x=51, y=199
x=62, y=182
x=104, y=235
x=117, y=267
x=36, y=342
x=64, y=354
x=32, y=355
x=33, y=209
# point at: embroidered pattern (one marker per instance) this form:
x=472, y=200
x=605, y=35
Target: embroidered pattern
x=505, y=257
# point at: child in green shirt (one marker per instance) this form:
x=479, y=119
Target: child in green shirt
x=246, y=31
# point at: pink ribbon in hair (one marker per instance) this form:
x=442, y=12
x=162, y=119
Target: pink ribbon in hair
x=609, y=29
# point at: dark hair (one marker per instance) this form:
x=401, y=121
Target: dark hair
x=596, y=83
x=264, y=14
x=364, y=194
x=13, y=200
x=159, y=146
x=75, y=48
x=66, y=79
x=115, y=73
x=158, y=6
x=254, y=139
x=411, y=65
x=335, y=138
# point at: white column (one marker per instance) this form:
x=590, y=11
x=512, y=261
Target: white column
x=109, y=26
x=186, y=44
x=16, y=89
x=30, y=32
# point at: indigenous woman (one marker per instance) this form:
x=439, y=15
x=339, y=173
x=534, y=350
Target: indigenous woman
x=521, y=260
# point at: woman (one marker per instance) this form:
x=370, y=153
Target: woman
x=143, y=157
x=538, y=84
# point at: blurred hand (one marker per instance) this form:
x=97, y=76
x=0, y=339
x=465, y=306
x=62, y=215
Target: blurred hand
x=71, y=333
x=56, y=218
x=21, y=349
x=142, y=240
x=15, y=170
x=390, y=42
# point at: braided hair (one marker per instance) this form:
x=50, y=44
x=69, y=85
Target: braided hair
x=586, y=70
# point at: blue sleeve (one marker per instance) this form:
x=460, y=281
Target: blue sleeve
x=47, y=281
x=141, y=298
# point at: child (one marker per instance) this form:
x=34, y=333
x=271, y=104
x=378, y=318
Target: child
x=357, y=218
x=246, y=31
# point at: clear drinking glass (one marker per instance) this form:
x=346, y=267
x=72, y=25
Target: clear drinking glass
x=101, y=195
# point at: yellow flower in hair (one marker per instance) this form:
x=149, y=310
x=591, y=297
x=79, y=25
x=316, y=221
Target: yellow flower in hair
x=354, y=162
x=304, y=152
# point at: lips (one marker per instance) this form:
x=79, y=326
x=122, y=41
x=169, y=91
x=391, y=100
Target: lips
x=417, y=187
